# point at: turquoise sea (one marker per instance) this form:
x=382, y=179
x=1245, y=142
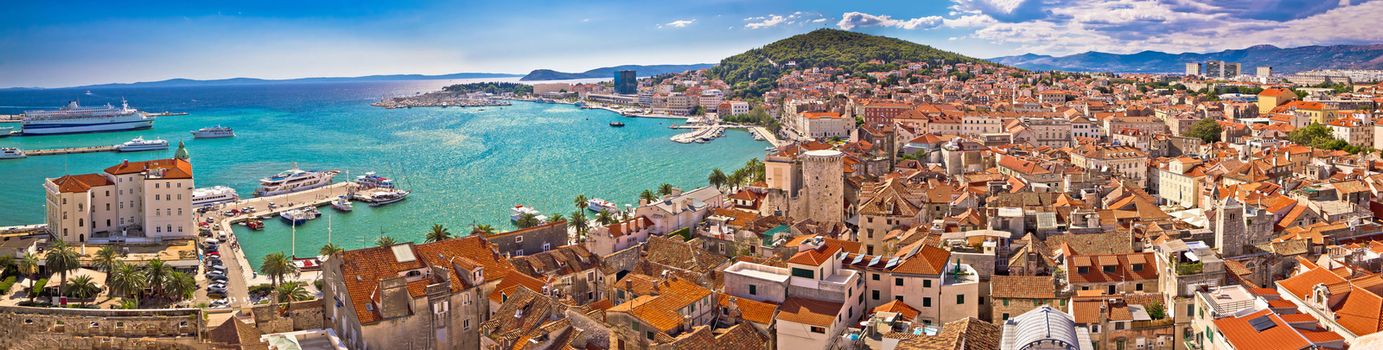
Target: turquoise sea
x=465, y=165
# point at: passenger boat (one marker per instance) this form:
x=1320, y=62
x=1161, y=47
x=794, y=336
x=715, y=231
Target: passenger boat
x=213, y=132
x=299, y=216
x=518, y=211
x=6, y=131
x=342, y=204
x=294, y=180
x=617, y=124
x=370, y=180
x=208, y=196
x=599, y=205
x=140, y=144
x=74, y=118
x=389, y=197
x=11, y=153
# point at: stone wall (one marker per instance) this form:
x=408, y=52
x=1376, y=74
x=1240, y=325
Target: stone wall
x=623, y=260
x=302, y=315
x=31, y=327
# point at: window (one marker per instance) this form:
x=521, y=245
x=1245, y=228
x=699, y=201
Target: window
x=898, y=297
x=897, y=281
x=518, y=239
x=876, y=277
x=805, y=273
x=753, y=290
x=1108, y=268
x=960, y=299
x=874, y=295
x=926, y=283
x=926, y=301
x=815, y=329
x=518, y=251
x=1137, y=267
x=1138, y=287
x=1005, y=316
x=1005, y=302
x=1118, y=326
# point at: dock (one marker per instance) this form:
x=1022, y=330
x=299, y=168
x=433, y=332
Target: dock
x=69, y=150
x=757, y=130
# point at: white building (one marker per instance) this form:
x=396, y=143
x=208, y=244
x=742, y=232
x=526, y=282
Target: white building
x=133, y=202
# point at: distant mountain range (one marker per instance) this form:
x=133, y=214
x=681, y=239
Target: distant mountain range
x=609, y=72
x=1283, y=60
x=181, y=82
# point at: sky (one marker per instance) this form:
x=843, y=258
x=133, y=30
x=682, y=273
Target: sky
x=69, y=43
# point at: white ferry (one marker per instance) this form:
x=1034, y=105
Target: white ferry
x=599, y=205
x=208, y=196
x=293, y=180
x=140, y=144
x=74, y=118
x=370, y=180
x=519, y=210
x=213, y=132
x=11, y=153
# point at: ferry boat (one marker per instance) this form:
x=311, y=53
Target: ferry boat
x=599, y=205
x=299, y=216
x=342, y=204
x=11, y=153
x=370, y=180
x=519, y=210
x=140, y=144
x=208, y=196
x=74, y=118
x=213, y=132
x=293, y=180
x=389, y=197
x=6, y=131
x=617, y=124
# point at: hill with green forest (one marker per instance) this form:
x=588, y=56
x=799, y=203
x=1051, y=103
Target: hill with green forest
x=756, y=71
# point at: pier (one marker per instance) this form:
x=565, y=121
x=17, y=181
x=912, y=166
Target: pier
x=69, y=150
x=762, y=132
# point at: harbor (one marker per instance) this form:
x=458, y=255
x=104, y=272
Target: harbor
x=702, y=132
x=138, y=144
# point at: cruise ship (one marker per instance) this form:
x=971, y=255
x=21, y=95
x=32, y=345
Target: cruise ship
x=213, y=132
x=209, y=196
x=140, y=144
x=293, y=180
x=73, y=119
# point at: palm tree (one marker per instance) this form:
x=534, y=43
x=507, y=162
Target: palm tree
x=581, y=202
x=555, y=217
x=61, y=258
x=385, y=241
x=276, y=265
x=293, y=291
x=483, y=229
x=578, y=221
x=527, y=220
x=737, y=178
x=665, y=189
x=438, y=233
x=28, y=266
x=6, y=262
x=648, y=196
x=330, y=249
x=82, y=287
x=126, y=279
x=717, y=178
x=181, y=285
x=156, y=275
x=604, y=217
x=105, y=259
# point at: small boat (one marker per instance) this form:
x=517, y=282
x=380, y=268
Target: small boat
x=6, y=131
x=388, y=197
x=255, y=224
x=342, y=204
x=213, y=132
x=88, y=93
x=370, y=180
x=770, y=149
x=299, y=216
x=11, y=153
x=599, y=205
x=617, y=124
x=307, y=264
x=140, y=144
x=518, y=211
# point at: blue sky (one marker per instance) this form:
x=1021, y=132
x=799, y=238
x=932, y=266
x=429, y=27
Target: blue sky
x=53, y=44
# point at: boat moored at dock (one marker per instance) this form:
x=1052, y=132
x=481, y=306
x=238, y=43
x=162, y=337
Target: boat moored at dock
x=599, y=205
x=140, y=144
x=342, y=204
x=519, y=210
x=371, y=180
x=11, y=153
x=208, y=196
x=213, y=132
x=294, y=180
x=388, y=197
x=73, y=118
x=299, y=216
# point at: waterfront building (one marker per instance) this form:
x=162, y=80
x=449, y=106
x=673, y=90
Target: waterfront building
x=606, y=239
x=823, y=126
x=613, y=99
x=626, y=82
x=531, y=240
x=710, y=99
x=146, y=201
x=551, y=88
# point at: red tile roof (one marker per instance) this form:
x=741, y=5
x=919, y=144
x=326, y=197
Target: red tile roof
x=80, y=183
x=173, y=168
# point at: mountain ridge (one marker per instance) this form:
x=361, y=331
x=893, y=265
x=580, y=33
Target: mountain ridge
x=186, y=82
x=608, y=72
x=1283, y=60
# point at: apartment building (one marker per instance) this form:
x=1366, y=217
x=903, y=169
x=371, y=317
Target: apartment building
x=146, y=201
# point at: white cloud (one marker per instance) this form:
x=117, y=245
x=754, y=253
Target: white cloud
x=764, y=22
x=819, y=20
x=681, y=23
x=851, y=20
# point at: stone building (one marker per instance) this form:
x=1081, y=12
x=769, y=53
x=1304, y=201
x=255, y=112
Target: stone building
x=531, y=240
x=145, y=201
x=823, y=184
x=1011, y=296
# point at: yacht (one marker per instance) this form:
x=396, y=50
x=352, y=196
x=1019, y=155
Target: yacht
x=599, y=205
x=370, y=180
x=294, y=180
x=140, y=144
x=388, y=197
x=342, y=204
x=213, y=132
x=208, y=196
x=299, y=216
x=617, y=124
x=11, y=153
x=520, y=210
x=6, y=131
x=74, y=118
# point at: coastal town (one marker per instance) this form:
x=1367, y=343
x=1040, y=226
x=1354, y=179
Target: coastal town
x=929, y=203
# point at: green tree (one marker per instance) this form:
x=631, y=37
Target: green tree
x=1157, y=311
x=580, y=223
x=293, y=291
x=527, y=220
x=105, y=259
x=1207, y=130
x=61, y=258
x=438, y=233
x=717, y=178
x=555, y=217
x=276, y=266
x=483, y=229
x=180, y=286
x=330, y=249
x=581, y=202
x=28, y=266
x=82, y=287
x=665, y=189
x=648, y=195
x=604, y=218
x=156, y=276
x=126, y=280
x=385, y=241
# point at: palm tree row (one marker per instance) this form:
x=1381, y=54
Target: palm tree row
x=156, y=277
x=752, y=171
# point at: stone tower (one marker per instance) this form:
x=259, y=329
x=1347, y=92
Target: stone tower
x=1230, y=236
x=823, y=185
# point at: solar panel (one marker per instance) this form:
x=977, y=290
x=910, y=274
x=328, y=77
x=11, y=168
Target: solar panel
x=1262, y=323
x=875, y=261
x=857, y=260
x=891, y=263
x=914, y=250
